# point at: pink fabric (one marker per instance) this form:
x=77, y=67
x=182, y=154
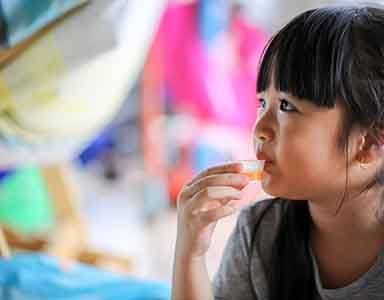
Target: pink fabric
x=198, y=82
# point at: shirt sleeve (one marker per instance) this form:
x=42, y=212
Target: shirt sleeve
x=232, y=280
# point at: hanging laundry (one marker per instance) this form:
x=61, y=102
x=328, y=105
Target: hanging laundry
x=20, y=19
x=210, y=61
x=66, y=82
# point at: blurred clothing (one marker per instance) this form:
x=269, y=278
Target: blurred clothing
x=210, y=74
x=40, y=277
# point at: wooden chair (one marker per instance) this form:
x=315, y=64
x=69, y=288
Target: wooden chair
x=69, y=241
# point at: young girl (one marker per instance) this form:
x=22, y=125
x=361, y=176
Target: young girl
x=321, y=132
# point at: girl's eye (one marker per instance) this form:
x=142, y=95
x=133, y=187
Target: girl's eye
x=262, y=103
x=286, y=106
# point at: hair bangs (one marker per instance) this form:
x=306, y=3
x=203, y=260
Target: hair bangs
x=310, y=58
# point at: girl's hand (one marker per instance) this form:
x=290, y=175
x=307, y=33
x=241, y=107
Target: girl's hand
x=204, y=201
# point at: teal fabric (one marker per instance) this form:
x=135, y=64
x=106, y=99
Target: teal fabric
x=38, y=277
x=22, y=18
x=25, y=204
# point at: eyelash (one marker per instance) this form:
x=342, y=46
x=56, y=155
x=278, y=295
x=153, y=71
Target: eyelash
x=282, y=101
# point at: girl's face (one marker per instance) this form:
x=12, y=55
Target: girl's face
x=301, y=143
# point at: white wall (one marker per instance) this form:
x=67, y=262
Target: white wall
x=272, y=14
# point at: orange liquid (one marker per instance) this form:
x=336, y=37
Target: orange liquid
x=256, y=175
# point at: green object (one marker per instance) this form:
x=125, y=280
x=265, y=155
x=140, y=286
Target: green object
x=24, y=202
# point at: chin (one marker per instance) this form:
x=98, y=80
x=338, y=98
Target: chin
x=276, y=189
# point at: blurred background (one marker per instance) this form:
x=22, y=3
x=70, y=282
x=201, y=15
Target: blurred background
x=109, y=107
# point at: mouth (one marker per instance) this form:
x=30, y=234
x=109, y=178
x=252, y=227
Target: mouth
x=268, y=161
x=260, y=155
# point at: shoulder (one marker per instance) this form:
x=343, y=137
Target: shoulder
x=245, y=259
x=259, y=223
x=265, y=211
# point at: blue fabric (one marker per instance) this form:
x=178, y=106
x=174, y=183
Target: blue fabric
x=205, y=155
x=4, y=174
x=213, y=19
x=22, y=18
x=38, y=277
x=99, y=145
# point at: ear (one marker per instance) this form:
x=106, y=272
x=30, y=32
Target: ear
x=370, y=147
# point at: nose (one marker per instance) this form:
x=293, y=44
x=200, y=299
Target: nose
x=263, y=130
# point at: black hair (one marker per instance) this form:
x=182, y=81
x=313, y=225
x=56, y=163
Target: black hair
x=323, y=56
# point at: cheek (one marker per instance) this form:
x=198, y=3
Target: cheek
x=306, y=164
x=305, y=151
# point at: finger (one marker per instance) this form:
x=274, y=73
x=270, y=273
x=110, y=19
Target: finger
x=214, y=215
x=230, y=167
x=212, y=198
x=234, y=180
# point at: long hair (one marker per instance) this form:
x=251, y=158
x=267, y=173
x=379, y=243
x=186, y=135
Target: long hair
x=323, y=55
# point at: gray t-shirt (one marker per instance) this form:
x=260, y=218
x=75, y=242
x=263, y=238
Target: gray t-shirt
x=236, y=276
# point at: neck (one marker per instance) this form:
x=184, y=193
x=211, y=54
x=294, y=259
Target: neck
x=355, y=220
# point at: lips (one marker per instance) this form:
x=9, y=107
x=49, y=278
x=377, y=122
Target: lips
x=268, y=164
x=262, y=155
